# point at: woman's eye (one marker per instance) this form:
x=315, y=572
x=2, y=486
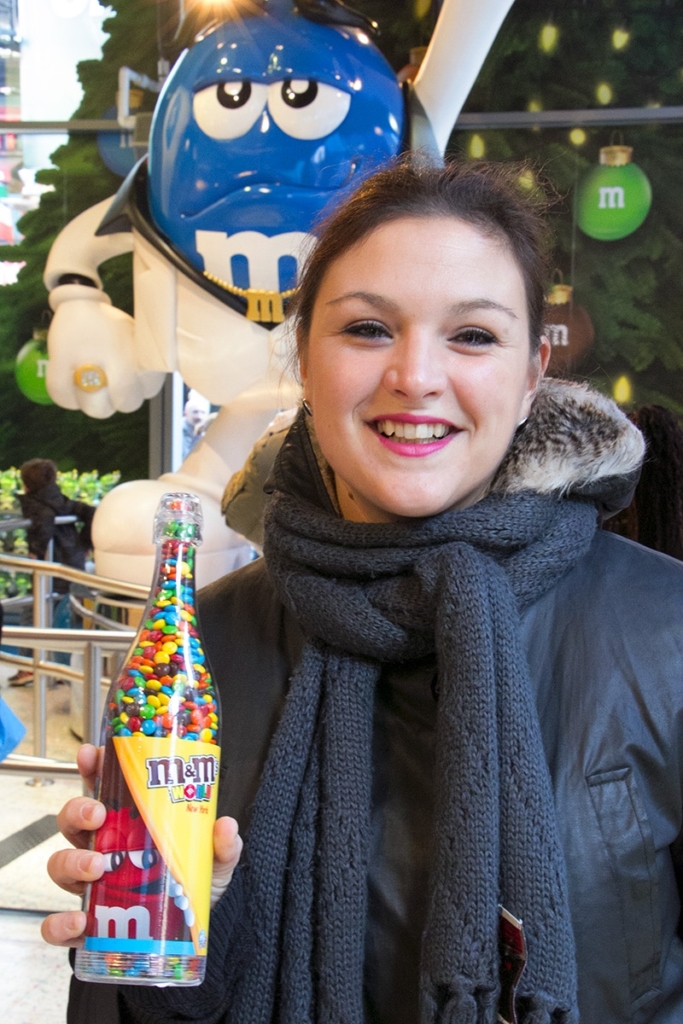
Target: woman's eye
x=367, y=329
x=229, y=109
x=114, y=860
x=475, y=337
x=306, y=109
x=144, y=859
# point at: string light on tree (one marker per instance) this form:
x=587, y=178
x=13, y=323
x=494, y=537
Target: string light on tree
x=620, y=38
x=477, y=147
x=577, y=136
x=623, y=391
x=614, y=198
x=568, y=328
x=548, y=38
x=527, y=180
x=604, y=93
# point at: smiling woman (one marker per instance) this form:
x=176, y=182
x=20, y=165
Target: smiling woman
x=433, y=683
x=418, y=385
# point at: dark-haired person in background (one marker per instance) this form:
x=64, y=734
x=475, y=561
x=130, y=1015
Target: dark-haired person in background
x=42, y=503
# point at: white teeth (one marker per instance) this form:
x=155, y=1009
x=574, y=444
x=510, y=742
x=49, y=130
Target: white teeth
x=412, y=431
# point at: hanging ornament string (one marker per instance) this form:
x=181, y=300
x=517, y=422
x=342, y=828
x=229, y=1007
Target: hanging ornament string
x=575, y=223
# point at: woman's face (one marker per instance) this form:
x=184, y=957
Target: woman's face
x=418, y=367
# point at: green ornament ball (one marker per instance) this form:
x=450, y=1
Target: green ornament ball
x=612, y=202
x=30, y=370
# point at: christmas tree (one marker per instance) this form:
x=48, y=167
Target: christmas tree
x=79, y=179
x=616, y=53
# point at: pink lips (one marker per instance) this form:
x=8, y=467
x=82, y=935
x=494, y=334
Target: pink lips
x=407, y=449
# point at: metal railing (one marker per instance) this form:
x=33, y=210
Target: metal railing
x=93, y=644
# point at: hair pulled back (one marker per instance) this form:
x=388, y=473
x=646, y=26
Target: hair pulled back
x=37, y=473
x=486, y=195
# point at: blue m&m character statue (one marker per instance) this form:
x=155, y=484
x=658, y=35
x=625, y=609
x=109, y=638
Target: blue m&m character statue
x=266, y=122
x=272, y=115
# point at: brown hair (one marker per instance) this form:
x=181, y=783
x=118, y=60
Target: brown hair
x=36, y=473
x=486, y=195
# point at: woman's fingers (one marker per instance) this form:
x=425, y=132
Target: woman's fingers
x=64, y=929
x=72, y=870
x=79, y=818
x=227, y=848
x=89, y=760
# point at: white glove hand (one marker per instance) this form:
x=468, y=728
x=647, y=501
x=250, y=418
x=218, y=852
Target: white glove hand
x=91, y=355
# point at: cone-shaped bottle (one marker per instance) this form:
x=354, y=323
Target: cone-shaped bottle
x=148, y=916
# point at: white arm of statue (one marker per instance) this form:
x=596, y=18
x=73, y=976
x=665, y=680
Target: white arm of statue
x=92, y=360
x=462, y=38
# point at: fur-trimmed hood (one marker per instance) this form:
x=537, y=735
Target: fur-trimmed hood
x=575, y=441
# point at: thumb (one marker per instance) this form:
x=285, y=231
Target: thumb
x=227, y=850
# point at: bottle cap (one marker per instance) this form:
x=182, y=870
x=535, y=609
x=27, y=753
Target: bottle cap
x=179, y=515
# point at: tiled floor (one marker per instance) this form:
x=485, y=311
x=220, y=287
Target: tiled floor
x=36, y=987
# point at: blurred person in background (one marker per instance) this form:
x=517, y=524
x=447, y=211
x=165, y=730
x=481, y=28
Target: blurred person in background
x=42, y=502
x=195, y=415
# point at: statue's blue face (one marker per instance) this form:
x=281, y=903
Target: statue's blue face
x=261, y=125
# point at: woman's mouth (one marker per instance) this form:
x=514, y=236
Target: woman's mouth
x=414, y=437
x=420, y=432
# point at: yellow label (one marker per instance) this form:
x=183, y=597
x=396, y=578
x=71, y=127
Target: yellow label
x=174, y=784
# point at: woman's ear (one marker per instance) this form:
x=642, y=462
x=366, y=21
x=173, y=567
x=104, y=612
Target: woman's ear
x=538, y=364
x=543, y=355
x=301, y=356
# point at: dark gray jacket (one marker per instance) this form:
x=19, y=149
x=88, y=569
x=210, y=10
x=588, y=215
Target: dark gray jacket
x=605, y=650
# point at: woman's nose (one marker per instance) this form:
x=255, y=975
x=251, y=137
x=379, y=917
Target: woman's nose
x=414, y=368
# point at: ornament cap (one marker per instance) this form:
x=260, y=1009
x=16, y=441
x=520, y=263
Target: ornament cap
x=560, y=295
x=616, y=156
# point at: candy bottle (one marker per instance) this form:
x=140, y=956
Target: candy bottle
x=148, y=916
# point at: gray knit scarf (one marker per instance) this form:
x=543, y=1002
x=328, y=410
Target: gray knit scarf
x=368, y=594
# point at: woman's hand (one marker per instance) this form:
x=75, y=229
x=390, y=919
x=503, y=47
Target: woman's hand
x=73, y=870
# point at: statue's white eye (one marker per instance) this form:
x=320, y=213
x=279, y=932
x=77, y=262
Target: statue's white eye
x=144, y=858
x=229, y=109
x=306, y=109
